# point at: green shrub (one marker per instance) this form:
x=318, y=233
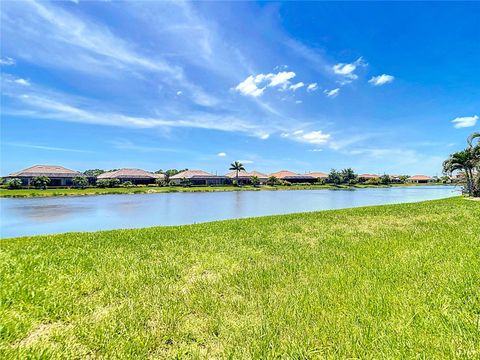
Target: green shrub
x=127, y=184
x=113, y=183
x=80, y=182
x=14, y=183
x=40, y=182
x=103, y=183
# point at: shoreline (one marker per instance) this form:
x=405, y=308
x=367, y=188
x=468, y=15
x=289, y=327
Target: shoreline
x=35, y=193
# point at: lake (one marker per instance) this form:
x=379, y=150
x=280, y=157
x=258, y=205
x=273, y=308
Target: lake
x=34, y=216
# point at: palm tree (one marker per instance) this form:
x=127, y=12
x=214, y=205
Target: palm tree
x=236, y=166
x=462, y=160
x=272, y=180
x=254, y=180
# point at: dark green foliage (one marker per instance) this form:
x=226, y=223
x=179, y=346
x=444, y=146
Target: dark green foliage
x=14, y=183
x=93, y=172
x=80, y=182
x=40, y=182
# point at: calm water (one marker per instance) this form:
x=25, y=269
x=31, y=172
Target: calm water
x=20, y=217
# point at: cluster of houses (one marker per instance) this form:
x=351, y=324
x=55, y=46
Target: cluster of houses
x=60, y=176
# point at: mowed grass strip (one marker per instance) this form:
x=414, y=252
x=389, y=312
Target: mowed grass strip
x=396, y=281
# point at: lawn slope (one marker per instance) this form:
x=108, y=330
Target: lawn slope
x=396, y=281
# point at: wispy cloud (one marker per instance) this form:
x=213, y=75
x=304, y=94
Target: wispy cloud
x=124, y=144
x=7, y=61
x=222, y=154
x=381, y=79
x=44, y=147
x=464, y=122
x=312, y=87
x=255, y=85
x=296, y=86
x=78, y=43
x=22, y=82
x=311, y=137
x=347, y=70
x=332, y=93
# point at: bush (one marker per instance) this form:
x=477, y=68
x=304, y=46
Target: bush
x=321, y=181
x=14, y=183
x=103, y=183
x=40, y=182
x=80, y=182
x=113, y=183
x=127, y=184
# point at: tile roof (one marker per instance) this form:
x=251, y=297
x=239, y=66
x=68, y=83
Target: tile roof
x=285, y=175
x=282, y=173
x=246, y=174
x=420, y=177
x=318, y=174
x=369, y=176
x=191, y=174
x=46, y=170
x=130, y=174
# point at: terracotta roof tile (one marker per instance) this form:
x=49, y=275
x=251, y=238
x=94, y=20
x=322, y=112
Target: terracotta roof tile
x=46, y=170
x=130, y=174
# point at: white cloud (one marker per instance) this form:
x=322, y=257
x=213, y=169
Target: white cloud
x=179, y=93
x=280, y=78
x=347, y=69
x=332, y=93
x=311, y=137
x=256, y=85
x=248, y=87
x=463, y=122
x=7, y=61
x=244, y=162
x=381, y=79
x=298, y=101
x=22, y=82
x=222, y=154
x=312, y=87
x=264, y=136
x=296, y=86
x=315, y=150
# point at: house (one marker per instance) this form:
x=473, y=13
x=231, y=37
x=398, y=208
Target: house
x=318, y=175
x=244, y=176
x=366, y=177
x=135, y=176
x=294, y=177
x=198, y=177
x=420, y=179
x=58, y=175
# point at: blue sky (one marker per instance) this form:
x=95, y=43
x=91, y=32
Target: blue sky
x=380, y=87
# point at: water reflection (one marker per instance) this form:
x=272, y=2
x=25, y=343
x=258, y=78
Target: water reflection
x=34, y=216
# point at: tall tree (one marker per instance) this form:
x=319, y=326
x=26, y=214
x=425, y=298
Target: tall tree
x=237, y=166
x=462, y=161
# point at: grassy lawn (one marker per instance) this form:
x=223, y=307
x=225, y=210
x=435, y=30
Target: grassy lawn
x=151, y=190
x=396, y=281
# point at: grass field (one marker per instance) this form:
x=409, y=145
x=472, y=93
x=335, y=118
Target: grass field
x=396, y=281
x=22, y=193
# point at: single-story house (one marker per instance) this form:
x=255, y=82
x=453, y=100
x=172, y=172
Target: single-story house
x=244, y=176
x=318, y=175
x=420, y=179
x=58, y=175
x=294, y=177
x=365, y=177
x=135, y=176
x=198, y=177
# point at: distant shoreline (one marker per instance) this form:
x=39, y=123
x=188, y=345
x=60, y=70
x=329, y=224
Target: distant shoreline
x=31, y=193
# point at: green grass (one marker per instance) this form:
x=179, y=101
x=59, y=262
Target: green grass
x=22, y=193
x=396, y=281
